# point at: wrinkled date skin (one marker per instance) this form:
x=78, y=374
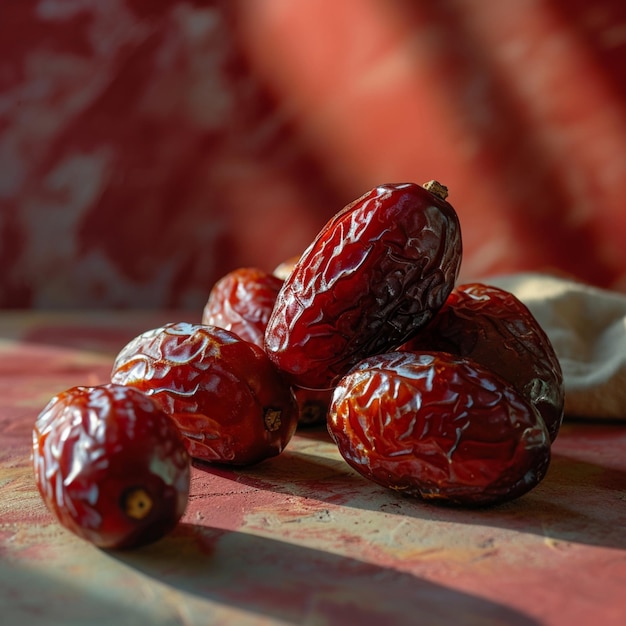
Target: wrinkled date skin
x=494, y=328
x=110, y=465
x=439, y=427
x=376, y=273
x=228, y=399
x=242, y=302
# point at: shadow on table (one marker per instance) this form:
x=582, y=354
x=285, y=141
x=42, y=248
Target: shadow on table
x=32, y=596
x=302, y=585
x=578, y=501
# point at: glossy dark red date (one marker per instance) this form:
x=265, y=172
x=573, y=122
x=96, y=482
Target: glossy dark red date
x=496, y=329
x=439, y=427
x=376, y=273
x=110, y=465
x=226, y=396
x=242, y=302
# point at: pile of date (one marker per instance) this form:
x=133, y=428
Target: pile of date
x=446, y=392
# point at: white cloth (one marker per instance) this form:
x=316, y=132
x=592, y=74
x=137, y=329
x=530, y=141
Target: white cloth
x=587, y=327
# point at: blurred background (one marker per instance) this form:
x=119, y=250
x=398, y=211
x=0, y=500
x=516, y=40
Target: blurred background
x=147, y=147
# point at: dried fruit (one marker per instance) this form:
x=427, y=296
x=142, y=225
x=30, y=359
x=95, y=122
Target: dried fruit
x=439, y=427
x=226, y=396
x=242, y=302
x=496, y=329
x=110, y=465
x=374, y=275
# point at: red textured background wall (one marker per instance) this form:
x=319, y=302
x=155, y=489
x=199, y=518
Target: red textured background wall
x=147, y=147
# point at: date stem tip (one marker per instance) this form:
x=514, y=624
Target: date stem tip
x=436, y=188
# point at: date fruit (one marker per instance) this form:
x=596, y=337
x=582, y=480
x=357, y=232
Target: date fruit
x=376, y=273
x=440, y=427
x=229, y=401
x=496, y=329
x=242, y=302
x=110, y=465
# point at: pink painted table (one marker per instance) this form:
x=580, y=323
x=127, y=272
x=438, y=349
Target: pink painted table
x=302, y=539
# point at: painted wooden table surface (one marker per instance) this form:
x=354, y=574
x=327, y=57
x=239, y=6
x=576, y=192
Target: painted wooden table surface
x=302, y=539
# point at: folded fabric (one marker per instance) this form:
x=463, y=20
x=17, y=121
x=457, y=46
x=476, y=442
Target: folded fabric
x=587, y=327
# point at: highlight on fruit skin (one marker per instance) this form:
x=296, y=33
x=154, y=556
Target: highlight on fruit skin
x=110, y=465
x=439, y=427
x=242, y=302
x=375, y=273
x=493, y=327
x=227, y=398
